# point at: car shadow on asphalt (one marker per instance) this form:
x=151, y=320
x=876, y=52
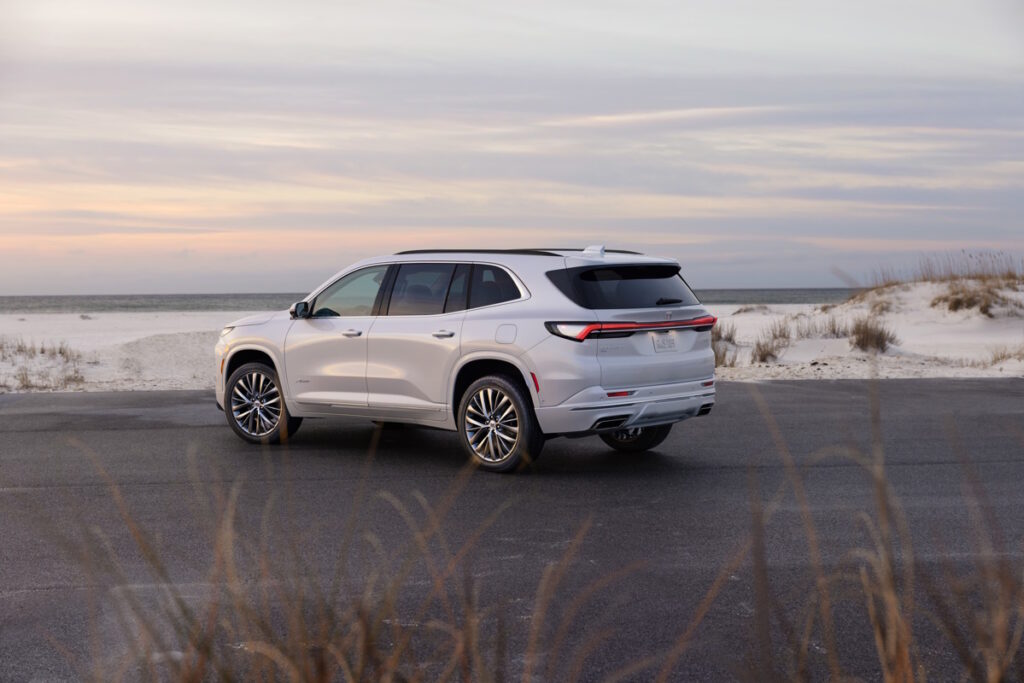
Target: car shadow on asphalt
x=422, y=447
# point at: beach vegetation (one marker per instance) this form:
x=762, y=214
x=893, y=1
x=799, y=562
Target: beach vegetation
x=723, y=343
x=723, y=331
x=985, y=266
x=807, y=327
x=24, y=379
x=869, y=334
x=1003, y=354
x=987, y=296
x=881, y=306
x=726, y=354
x=751, y=308
x=771, y=342
x=41, y=367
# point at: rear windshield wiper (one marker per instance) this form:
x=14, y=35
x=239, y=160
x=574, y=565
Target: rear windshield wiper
x=666, y=302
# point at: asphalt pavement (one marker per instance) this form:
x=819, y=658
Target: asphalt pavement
x=660, y=526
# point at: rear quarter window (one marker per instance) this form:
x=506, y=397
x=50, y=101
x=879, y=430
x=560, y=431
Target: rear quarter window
x=614, y=287
x=491, y=285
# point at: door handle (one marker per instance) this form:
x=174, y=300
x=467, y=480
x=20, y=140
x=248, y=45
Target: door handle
x=444, y=334
x=352, y=333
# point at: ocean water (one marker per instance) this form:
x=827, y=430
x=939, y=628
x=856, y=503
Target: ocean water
x=274, y=302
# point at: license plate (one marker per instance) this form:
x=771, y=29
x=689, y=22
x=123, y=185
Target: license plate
x=664, y=342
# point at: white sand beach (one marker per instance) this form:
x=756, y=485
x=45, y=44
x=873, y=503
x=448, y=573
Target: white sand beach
x=167, y=350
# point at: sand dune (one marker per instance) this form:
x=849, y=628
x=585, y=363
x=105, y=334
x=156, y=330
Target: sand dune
x=140, y=351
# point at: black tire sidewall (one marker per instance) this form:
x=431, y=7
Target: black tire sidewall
x=286, y=425
x=531, y=439
x=650, y=438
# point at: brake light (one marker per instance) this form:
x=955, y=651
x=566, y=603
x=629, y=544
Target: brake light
x=581, y=331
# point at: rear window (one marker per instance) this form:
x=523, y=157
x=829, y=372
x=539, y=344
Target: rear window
x=611, y=287
x=491, y=285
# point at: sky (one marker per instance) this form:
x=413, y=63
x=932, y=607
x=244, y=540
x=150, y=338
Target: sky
x=210, y=146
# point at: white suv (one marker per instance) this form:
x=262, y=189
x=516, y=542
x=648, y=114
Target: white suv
x=506, y=347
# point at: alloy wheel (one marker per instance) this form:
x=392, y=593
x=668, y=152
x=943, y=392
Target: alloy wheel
x=256, y=403
x=492, y=425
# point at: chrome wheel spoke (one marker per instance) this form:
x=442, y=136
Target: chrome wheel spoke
x=505, y=437
x=491, y=425
x=256, y=404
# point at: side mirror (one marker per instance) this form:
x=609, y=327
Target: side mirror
x=299, y=309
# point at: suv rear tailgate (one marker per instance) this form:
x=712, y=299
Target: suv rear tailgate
x=644, y=308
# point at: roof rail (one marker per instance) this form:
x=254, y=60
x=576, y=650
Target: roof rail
x=523, y=252
x=593, y=250
x=540, y=251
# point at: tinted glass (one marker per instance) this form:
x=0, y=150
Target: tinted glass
x=458, y=289
x=491, y=285
x=353, y=294
x=624, y=287
x=420, y=288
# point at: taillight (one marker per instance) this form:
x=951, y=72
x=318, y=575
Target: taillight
x=580, y=331
x=573, y=331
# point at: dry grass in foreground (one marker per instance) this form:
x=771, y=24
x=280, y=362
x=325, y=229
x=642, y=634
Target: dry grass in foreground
x=268, y=616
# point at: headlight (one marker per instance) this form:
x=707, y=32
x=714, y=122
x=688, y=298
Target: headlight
x=225, y=331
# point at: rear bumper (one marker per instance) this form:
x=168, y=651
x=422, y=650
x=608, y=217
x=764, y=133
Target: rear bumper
x=592, y=410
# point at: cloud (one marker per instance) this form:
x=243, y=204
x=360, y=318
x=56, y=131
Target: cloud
x=137, y=134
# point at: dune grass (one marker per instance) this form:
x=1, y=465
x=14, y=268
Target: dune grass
x=772, y=340
x=869, y=334
x=268, y=616
x=1003, y=354
x=723, y=344
x=985, y=295
x=984, y=266
x=44, y=366
x=973, y=280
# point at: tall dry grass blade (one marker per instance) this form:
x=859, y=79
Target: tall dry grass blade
x=765, y=667
x=810, y=531
x=683, y=642
x=579, y=602
x=550, y=579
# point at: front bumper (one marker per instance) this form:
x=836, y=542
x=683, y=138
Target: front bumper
x=592, y=410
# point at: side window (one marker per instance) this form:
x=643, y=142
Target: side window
x=420, y=288
x=459, y=288
x=491, y=285
x=353, y=294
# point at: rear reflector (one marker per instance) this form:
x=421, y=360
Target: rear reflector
x=709, y=383
x=619, y=394
x=536, y=384
x=580, y=331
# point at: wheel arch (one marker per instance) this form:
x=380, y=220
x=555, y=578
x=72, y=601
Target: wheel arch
x=474, y=367
x=251, y=354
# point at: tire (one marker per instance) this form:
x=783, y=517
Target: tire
x=271, y=423
x=637, y=439
x=496, y=415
